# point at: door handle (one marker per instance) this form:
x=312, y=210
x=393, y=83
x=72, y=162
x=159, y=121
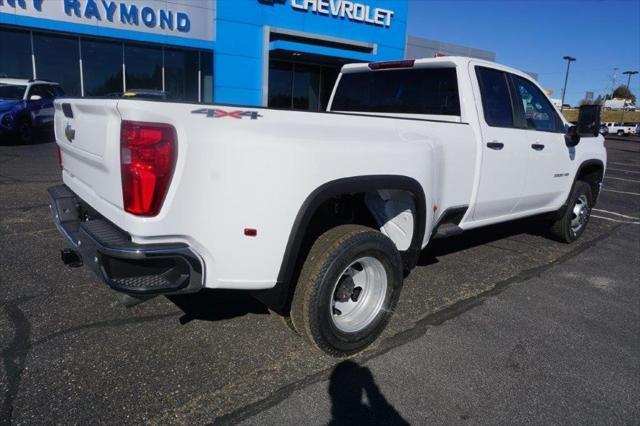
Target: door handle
x=495, y=145
x=537, y=146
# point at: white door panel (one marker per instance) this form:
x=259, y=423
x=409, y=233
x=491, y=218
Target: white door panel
x=549, y=170
x=505, y=149
x=549, y=157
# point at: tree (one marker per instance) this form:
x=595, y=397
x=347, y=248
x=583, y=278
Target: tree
x=586, y=101
x=622, y=92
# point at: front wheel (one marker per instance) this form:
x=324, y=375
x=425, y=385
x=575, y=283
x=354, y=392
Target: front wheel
x=575, y=217
x=620, y=132
x=24, y=132
x=348, y=289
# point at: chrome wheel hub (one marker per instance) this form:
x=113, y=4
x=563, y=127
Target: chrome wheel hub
x=358, y=295
x=580, y=214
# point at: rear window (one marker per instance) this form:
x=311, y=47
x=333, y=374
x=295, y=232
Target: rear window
x=496, y=99
x=404, y=91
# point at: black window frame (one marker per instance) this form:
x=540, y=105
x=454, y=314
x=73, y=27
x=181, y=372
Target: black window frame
x=560, y=128
x=516, y=117
x=456, y=113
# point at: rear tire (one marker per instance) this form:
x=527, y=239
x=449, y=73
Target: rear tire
x=348, y=288
x=573, y=220
x=620, y=133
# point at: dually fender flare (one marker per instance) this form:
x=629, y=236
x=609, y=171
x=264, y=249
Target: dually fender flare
x=351, y=185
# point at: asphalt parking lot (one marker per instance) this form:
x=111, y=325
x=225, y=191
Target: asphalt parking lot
x=72, y=354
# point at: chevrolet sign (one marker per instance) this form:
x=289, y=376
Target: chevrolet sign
x=344, y=9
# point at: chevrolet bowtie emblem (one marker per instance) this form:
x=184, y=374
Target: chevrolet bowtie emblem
x=70, y=133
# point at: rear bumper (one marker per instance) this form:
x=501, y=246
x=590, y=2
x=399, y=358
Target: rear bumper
x=136, y=269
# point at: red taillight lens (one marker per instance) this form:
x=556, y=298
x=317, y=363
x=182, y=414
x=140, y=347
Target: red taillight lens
x=147, y=158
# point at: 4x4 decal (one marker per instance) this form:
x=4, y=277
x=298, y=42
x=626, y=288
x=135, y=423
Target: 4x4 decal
x=220, y=113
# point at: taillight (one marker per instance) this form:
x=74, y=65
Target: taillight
x=147, y=159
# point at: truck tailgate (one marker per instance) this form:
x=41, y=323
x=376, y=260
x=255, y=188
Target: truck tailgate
x=88, y=134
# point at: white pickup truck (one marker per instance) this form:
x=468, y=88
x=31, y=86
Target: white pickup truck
x=620, y=129
x=319, y=214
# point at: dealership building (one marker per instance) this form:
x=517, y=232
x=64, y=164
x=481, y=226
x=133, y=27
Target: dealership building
x=279, y=53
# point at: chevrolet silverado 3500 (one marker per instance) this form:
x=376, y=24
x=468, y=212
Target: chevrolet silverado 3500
x=318, y=214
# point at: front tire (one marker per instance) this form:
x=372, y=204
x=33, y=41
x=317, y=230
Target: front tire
x=575, y=216
x=24, y=132
x=348, y=288
x=620, y=133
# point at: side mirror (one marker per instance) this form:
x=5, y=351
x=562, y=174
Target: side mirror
x=35, y=97
x=572, y=138
x=589, y=120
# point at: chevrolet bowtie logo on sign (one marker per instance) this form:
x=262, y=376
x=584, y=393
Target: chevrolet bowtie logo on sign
x=345, y=9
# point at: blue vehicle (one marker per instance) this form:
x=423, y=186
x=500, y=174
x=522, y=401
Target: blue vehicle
x=26, y=106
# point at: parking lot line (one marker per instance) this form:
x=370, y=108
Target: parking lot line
x=624, y=164
x=615, y=220
x=626, y=180
x=621, y=192
x=616, y=214
x=623, y=170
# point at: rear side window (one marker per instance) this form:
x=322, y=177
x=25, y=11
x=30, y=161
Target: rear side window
x=57, y=91
x=404, y=91
x=538, y=111
x=496, y=100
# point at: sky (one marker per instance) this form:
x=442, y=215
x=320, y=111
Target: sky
x=534, y=35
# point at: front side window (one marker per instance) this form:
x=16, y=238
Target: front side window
x=12, y=92
x=432, y=91
x=44, y=91
x=496, y=100
x=537, y=109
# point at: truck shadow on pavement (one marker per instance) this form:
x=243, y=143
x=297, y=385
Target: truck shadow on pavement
x=481, y=236
x=216, y=305
x=348, y=383
x=40, y=137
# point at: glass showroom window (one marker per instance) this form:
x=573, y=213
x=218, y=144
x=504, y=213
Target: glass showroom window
x=58, y=59
x=181, y=74
x=101, y=67
x=186, y=75
x=306, y=87
x=280, y=84
x=143, y=67
x=206, y=77
x=15, y=56
x=300, y=86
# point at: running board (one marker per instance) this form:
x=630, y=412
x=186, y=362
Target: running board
x=447, y=230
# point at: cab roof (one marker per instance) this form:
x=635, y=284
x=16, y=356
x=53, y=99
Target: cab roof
x=24, y=81
x=442, y=61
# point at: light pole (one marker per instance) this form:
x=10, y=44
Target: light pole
x=569, y=59
x=629, y=73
